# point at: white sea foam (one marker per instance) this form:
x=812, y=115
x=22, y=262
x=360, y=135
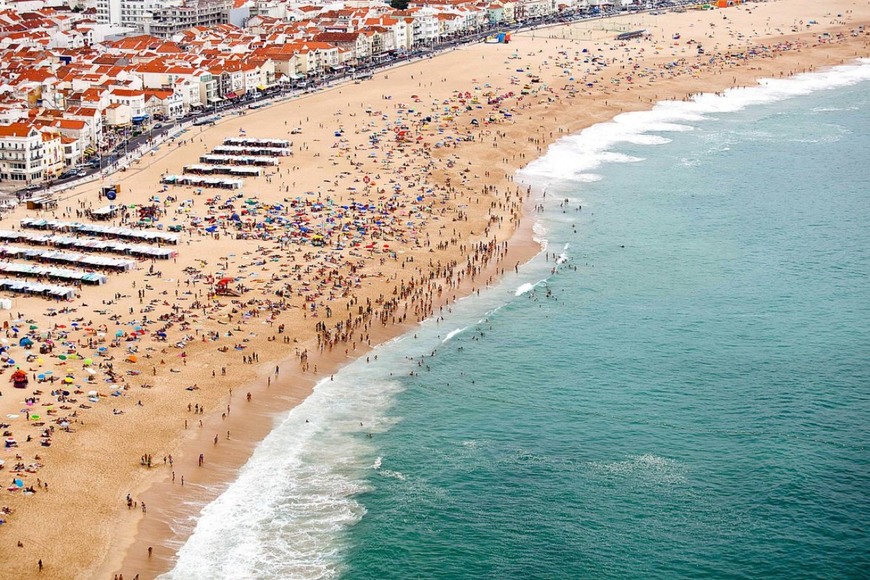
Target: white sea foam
x=833, y=109
x=451, y=334
x=571, y=158
x=563, y=257
x=539, y=231
x=645, y=469
x=393, y=474
x=528, y=287
x=296, y=492
x=285, y=515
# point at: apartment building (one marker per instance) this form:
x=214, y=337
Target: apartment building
x=171, y=20
x=21, y=153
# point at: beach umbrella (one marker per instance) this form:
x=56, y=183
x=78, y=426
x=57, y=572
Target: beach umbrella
x=88, y=362
x=16, y=481
x=119, y=333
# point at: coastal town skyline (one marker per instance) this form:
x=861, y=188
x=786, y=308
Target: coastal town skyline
x=80, y=82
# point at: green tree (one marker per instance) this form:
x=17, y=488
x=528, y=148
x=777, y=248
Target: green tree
x=399, y=4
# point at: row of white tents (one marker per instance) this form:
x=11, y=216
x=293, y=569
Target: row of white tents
x=75, y=258
x=97, y=230
x=255, y=142
x=88, y=244
x=34, y=271
x=36, y=288
x=197, y=181
x=237, y=170
x=258, y=150
x=260, y=160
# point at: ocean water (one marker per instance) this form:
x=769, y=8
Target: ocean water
x=679, y=386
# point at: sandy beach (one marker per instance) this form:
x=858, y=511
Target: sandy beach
x=397, y=199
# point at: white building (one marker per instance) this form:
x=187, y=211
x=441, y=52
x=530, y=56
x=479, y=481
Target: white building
x=130, y=13
x=21, y=154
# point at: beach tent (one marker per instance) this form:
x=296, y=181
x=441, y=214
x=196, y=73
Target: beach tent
x=727, y=3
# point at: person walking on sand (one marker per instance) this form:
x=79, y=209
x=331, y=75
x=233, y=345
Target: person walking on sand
x=39, y=564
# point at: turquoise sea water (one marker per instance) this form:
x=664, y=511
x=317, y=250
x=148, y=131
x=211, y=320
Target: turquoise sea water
x=688, y=396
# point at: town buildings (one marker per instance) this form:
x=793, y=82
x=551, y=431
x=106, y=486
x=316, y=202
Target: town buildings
x=70, y=89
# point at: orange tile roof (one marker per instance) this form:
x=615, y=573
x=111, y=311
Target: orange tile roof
x=16, y=130
x=73, y=124
x=127, y=93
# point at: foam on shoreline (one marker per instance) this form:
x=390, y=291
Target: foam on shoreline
x=225, y=478
x=296, y=494
x=573, y=157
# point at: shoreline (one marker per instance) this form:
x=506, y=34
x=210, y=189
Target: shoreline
x=159, y=531
x=122, y=546
x=155, y=532
x=268, y=404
